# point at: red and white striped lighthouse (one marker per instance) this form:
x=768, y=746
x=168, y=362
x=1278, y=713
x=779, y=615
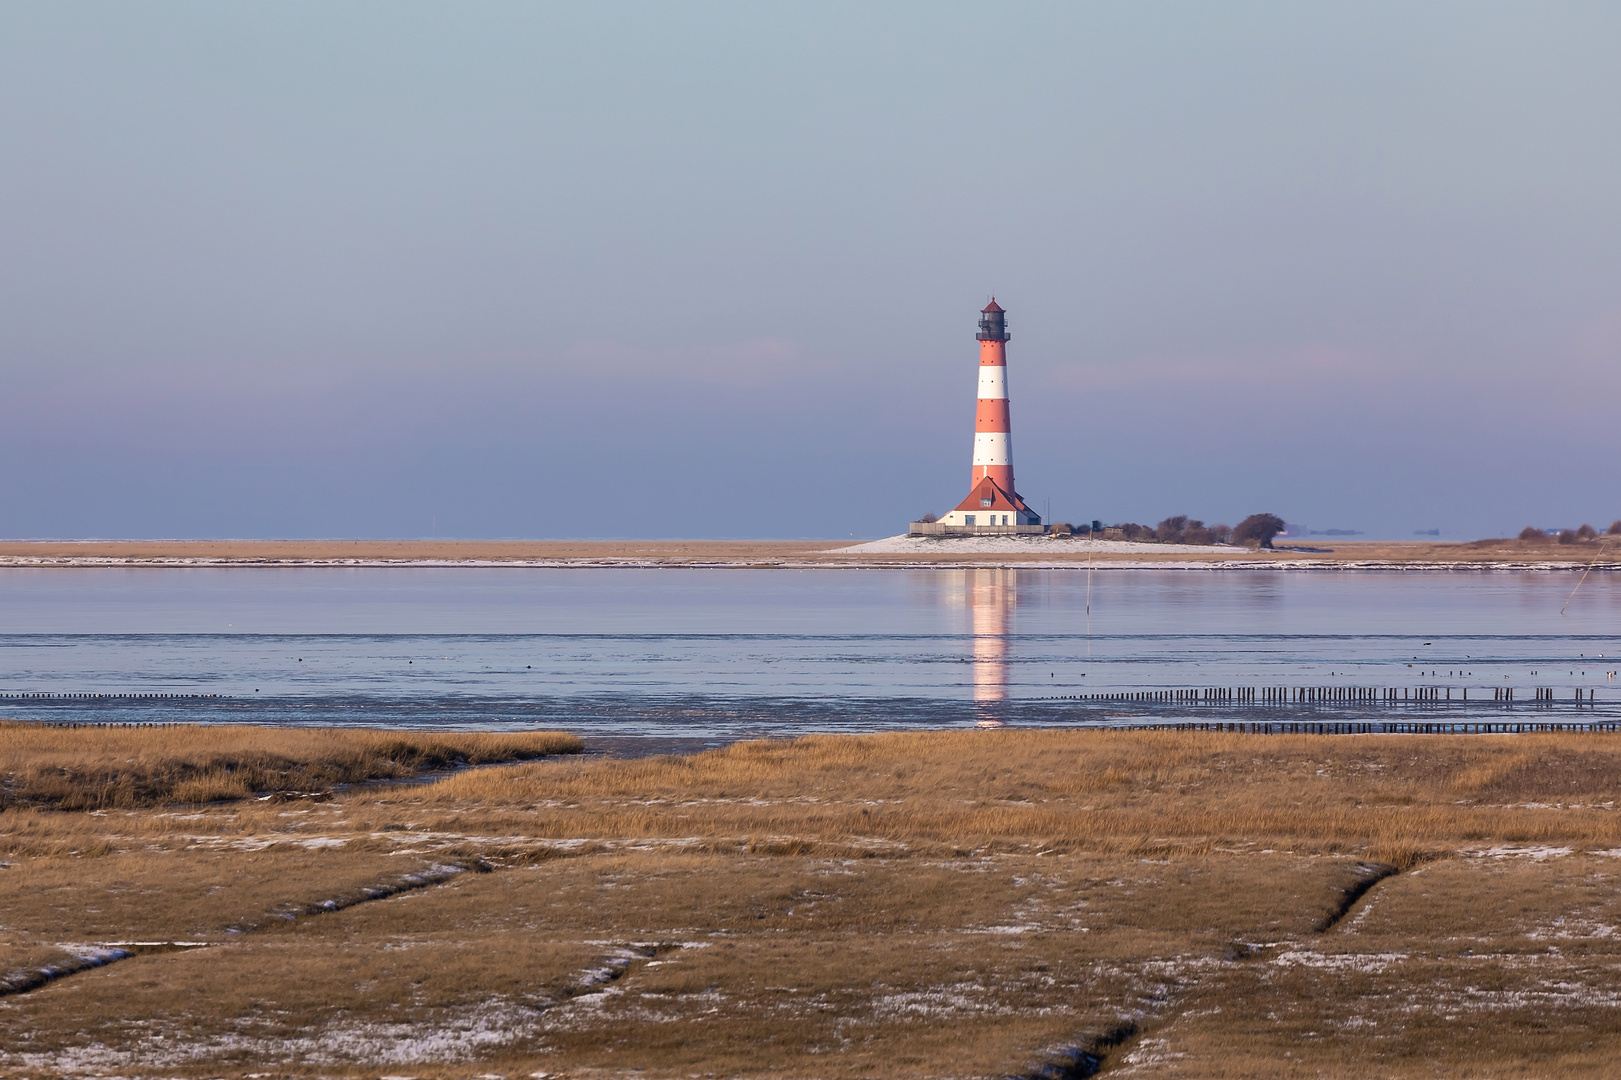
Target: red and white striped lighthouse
x=993, y=428
x=993, y=504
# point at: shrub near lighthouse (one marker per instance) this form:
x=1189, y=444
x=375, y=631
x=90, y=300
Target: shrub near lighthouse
x=993, y=505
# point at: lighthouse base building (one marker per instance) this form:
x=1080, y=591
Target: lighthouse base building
x=994, y=506
x=987, y=510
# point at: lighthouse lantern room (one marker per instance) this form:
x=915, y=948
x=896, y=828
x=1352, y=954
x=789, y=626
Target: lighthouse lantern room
x=993, y=506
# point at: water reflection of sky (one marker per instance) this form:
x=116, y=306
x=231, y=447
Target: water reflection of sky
x=864, y=645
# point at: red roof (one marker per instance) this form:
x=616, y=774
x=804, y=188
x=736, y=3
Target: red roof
x=988, y=489
x=990, y=307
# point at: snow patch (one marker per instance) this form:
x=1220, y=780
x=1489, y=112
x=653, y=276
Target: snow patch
x=1367, y=962
x=1538, y=853
x=1028, y=545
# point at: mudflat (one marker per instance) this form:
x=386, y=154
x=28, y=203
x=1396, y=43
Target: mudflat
x=765, y=553
x=935, y=904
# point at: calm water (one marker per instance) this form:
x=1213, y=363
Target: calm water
x=722, y=653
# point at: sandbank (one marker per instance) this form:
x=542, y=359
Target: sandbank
x=895, y=551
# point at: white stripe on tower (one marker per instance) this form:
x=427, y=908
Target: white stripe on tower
x=992, y=381
x=992, y=448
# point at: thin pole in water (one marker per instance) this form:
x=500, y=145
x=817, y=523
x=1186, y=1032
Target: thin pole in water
x=1596, y=556
x=1090, y=544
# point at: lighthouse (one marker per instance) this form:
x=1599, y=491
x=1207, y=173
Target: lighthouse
x=993, y=505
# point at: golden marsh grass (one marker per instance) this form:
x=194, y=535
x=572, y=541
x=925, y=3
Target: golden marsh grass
x=959, y=904
x=91, y=768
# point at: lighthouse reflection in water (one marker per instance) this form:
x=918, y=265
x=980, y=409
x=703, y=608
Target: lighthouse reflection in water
x=991, y=598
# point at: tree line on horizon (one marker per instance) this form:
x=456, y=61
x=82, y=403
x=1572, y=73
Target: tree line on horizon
x=1569, y=536
x=1257, y=530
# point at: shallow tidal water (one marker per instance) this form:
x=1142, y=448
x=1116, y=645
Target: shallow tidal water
x=725, y=653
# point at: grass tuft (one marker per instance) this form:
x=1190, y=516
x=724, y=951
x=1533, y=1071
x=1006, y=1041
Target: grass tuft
x=95, y=768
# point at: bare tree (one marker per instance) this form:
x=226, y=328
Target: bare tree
x=1586, y=532
x=1221, y=534
x=1170, y=530
x=1567, y=536
x=1615, y=528
x=1258, y=529
x=1531, y=532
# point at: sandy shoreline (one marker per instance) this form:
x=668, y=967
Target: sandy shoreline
x=892, y=553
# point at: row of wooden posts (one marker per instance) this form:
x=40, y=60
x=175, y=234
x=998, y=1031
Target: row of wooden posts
x=1307, y=695
x=1370, y=727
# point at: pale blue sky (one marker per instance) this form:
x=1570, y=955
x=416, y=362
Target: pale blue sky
x=492, y=270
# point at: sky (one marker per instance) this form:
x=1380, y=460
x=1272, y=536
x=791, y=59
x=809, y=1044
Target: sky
x=505, y=270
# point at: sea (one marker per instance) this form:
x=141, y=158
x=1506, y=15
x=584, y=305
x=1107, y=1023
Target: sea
x=710, y=655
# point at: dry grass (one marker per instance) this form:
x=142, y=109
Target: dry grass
x=1390, y=798
x=261, y=551
x=1482, y=967
x=772, y=553
x=973, y=904
x=89, y=768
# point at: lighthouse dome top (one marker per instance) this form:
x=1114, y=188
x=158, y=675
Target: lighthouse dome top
x=992, y=323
